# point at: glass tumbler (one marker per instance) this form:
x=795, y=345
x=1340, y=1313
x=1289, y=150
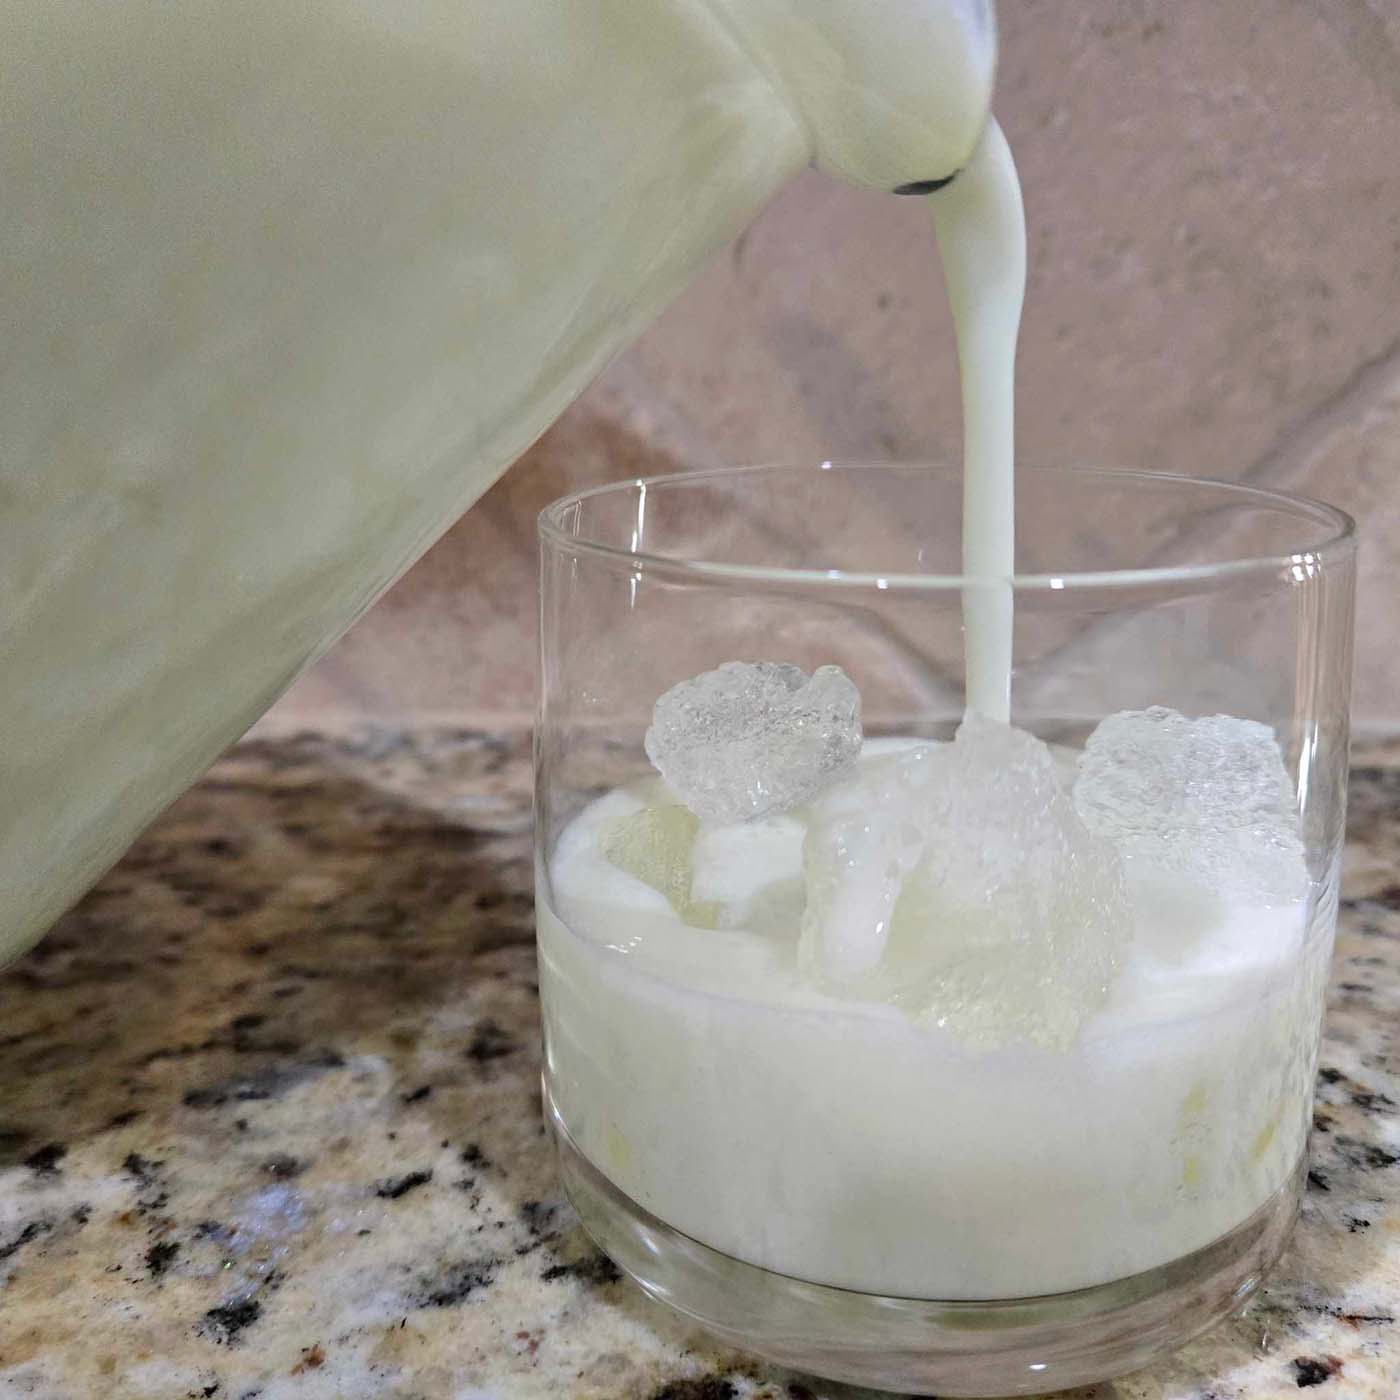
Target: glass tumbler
x=973, y=1060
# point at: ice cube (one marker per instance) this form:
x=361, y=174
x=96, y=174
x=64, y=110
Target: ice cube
x=656, y=846
x=754, y=739
x=958, y=881
x=1204, y=800
x=751, y=872
x=865, y=836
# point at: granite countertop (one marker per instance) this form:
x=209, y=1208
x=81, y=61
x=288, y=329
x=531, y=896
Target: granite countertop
x=269, y=1119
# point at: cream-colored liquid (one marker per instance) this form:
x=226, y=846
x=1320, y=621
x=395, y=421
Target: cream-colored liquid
x=981, y=231
x=844, y=1142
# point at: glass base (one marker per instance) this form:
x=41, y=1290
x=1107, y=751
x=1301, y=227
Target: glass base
x=1001, y=1347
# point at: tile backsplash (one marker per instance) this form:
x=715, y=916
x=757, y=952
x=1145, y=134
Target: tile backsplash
x=1213, y=200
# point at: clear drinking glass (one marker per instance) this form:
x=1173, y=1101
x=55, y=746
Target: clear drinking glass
x=857, y=1184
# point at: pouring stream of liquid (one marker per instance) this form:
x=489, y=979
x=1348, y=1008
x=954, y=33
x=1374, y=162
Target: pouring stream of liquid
x=981, y=229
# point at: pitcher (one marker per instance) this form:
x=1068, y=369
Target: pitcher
x=288, y=285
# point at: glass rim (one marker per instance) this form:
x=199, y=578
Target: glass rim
x=1338, y=538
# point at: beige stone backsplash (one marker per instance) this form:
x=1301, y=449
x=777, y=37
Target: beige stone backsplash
x=1214, y=205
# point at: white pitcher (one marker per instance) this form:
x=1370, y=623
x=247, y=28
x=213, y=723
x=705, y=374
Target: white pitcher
x=286, y=284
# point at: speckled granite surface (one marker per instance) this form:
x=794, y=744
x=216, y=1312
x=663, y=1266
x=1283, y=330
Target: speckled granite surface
x=269, y=1120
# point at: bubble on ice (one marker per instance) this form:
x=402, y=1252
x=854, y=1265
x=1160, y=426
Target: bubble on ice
x=958, y=881
x=656, y=845
x=1204, y=800
x=753, y=739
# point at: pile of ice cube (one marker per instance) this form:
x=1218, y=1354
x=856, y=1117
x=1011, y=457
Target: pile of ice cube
x=959, y=881
x=971, y=882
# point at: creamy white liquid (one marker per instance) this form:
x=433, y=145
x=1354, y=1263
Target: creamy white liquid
x=981, y=229
x=846, y=1143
